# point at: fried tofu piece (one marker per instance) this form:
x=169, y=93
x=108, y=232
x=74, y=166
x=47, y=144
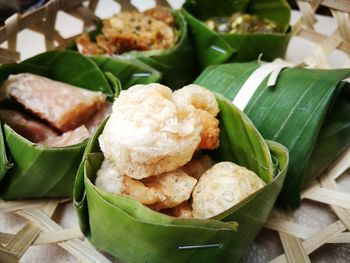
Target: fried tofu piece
x=68, y=138
x=29, y=128
x=147, y=134
x=222, y=187
x=176, y=186
x=63, y=106
x=207, y=108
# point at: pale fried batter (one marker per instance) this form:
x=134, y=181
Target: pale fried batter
x=221, y=187
x=110, y=180
x=144, y=194
x=207, y=108
x=148, y=134
x=176, y=186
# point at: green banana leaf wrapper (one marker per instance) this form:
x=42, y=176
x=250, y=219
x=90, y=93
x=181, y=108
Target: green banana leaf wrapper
x=29, y=170
x=132, y=232
x=217, y=48
x=308, y=111
x=177, y=65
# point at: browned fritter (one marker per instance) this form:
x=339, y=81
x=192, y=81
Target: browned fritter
x=127, y=31
x=161, y=13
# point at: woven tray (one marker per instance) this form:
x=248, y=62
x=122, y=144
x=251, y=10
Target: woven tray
x=319, y=229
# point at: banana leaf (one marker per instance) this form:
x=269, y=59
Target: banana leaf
x=307, y=111
x=28, y=170
x=134, y=233
x=128, y=70
x=217, y=48
x=177, y=65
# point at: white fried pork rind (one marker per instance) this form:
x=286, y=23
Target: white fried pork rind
x=148, y=134
x=221, y=187
x=110, y=180
x=176, y=186
x=207, y=108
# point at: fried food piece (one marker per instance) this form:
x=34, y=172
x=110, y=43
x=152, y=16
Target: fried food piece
x=183, y=210
x=68, y=138
x=197, y=167
x=30, y=129
x=176, y=186
x=110, y=180
x=144, y=194
x=221, y=187
x=139, y=31
x=87, y=47
x=64, y=106
x=162, y=14
x=207, y=108
x=147, y=134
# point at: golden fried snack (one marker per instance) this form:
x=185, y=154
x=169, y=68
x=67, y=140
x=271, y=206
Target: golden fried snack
x=197, y=167
x=108, y=179
x=176, y=186
x=138, y=191
x=207, y=108
x=221, y=187
x=183, y=210
x=148, y=134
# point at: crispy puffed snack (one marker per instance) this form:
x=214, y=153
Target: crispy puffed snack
x=176, y=186
x=148, y=134
x=207, y=108
x=110, y=180
x=221, y=187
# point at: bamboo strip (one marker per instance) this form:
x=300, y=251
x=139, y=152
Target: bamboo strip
x=317, y=240
x=288, y=227
x=292, y=245
x=20, y=242
x=328, y=196
x=58, y=236
x=343, y=214
x=342, y=238
x=5, y=238
x=11, y=206
x=76, y=247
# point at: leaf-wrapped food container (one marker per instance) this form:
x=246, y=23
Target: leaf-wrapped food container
x=217, y=48
x=308, y=111
x=30, y=170
x=134, y=233
x=177, y=64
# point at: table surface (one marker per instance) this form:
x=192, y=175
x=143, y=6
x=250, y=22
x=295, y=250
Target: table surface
x=267, y=245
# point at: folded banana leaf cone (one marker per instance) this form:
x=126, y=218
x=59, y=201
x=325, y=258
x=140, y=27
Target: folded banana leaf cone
x=32, y=170
x=177, y=64
x=133, y=232
x=307, y=110
x=241, y=42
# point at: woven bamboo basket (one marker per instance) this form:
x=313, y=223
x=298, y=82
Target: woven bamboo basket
x=326, y=203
